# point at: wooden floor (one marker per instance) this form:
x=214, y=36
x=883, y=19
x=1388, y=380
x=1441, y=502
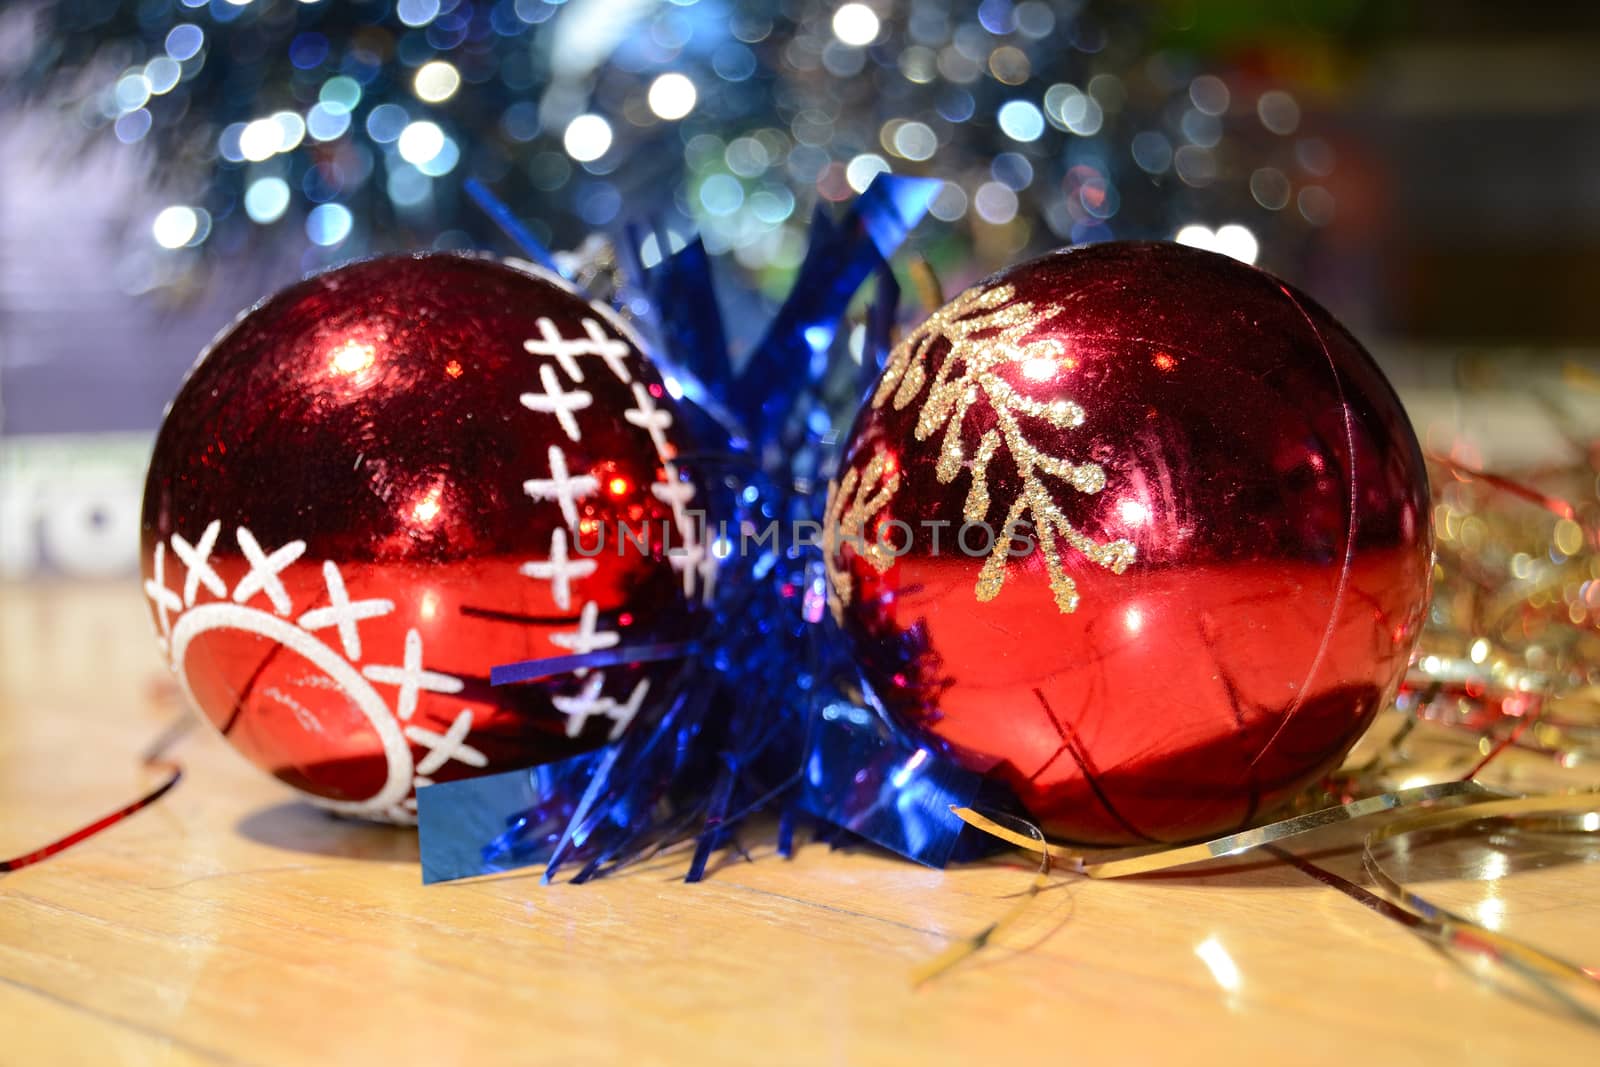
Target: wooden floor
x=230, y=924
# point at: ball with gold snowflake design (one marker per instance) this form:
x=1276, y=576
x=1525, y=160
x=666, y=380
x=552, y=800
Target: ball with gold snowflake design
x=1139, y=529
x=390, y=478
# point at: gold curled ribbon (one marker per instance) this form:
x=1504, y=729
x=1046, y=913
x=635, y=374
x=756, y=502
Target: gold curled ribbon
x=1124, y=862
x=973, y=944
x=1564, y=812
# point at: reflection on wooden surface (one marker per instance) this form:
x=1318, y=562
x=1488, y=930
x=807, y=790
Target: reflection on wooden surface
x=231, y=924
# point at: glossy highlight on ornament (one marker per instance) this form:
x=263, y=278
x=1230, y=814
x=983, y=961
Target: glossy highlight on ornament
x=373, y=488
x=1207, y=549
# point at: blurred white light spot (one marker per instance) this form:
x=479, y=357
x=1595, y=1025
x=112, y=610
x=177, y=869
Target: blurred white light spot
x=184, y=41
x=1133, y=512
x=408, y=186
x=1316, y=204
x=995, y=202
x=1201, y=129
x=291, y=130
x=772, y=206
x=327, y=121
x=1219, y=963
x=1056, y=98
x=587, y=138
x=672, y=96
x=162, y=73
x=417, y=12
x=1237, y=241
x=436, y=81
x=132, y=91
x=1082, y=115
x=1278, y=111
x=1210, y=94
x=1270, y=187
x=328, y=224
x=260, y=140
x=1479, y=651
x=131, y=126
x=342, y=91
x=420, y=142
x=862, y=169
x=228, y=142
x=1315, y=155
x=1230, y=240
x=747, y=157
x=855, y=24
x=266, y=199
x=950, y=204
x=721, y=194
x=175, y=226
x=1195, y=165
x=1066, y=107
x=386, y=122
x=1152, y=151
x=1133, y=619
x=915, y=140
x=443, y=161
x=1021, y=120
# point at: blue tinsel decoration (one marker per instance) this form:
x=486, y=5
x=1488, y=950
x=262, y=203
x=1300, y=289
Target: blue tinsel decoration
x=765, y=709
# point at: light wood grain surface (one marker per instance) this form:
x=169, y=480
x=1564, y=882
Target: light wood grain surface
x=230, y=924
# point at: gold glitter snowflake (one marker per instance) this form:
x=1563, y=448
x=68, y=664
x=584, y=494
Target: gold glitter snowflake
x=986, y=330
x=853, y=501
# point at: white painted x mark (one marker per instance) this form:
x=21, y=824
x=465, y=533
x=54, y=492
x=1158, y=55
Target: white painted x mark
x=559, y=570
x=587, y=702
x=412, y=678
x=264, y=570
x=587, y=637
x=450, y=745
x=197, y=558
x=580, y=708
x=343, y=612
x=651, y=419
x=622, y=714
x=562, y=486
x=164, y=599
x=597, y=343
x=558, y=402
x=674, y=493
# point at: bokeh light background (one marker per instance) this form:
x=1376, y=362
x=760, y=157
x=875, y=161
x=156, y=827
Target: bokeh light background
x=1428, y=171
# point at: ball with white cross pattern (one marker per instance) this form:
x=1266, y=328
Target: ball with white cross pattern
x=390, y=478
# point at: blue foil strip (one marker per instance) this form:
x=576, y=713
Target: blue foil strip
x=794, y=351
x=530, y=670
x=861, y=777
x=692, y=331
x=881, y=317
x=499, y=822
x=510, y=225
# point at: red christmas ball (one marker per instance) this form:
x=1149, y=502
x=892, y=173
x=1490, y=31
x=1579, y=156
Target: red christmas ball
x=386, y=480
x=1139, y=529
